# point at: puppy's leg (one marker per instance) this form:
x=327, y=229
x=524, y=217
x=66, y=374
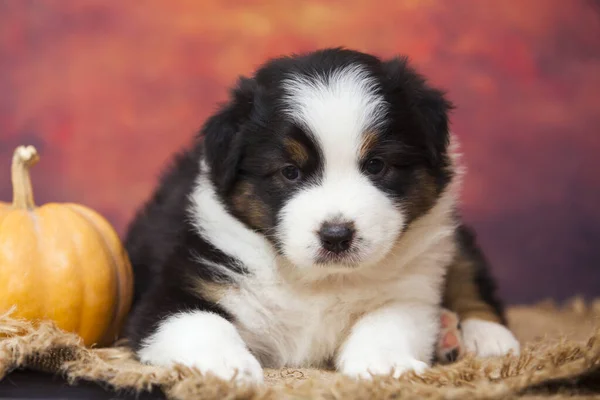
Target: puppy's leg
x=394, y=339
x=203, y=340
x=471, y=294
x=179, y=321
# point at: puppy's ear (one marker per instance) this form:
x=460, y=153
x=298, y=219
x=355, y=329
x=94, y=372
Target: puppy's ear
x=222, y=134
x=428, y=105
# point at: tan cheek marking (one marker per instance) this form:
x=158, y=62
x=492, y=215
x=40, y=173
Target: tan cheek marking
x=422, y=195
x=461, y=293
x=296, y=151
x=249, y=206
x=368, y=142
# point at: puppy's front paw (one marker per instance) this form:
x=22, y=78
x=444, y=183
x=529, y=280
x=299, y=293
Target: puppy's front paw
x=488, y=339
x=234, y=362
x=225, y=362
x=382, y=364
x=205, y=341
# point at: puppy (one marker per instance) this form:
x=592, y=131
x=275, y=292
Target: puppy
x=312, y=222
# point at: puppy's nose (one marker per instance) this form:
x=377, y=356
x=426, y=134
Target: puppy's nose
x=336, y=237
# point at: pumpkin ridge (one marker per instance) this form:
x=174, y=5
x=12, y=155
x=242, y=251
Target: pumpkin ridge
x=40, y=261
x=124, y=270
x=3, y=218
x=30, y=267
x=36, y=220
x=60, y=216
x=30, y=213
x=66, y=210
x=115, y=309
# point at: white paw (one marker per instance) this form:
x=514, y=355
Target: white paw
x=384, y=364
x=228, y=363
x=488, y=339
x=204, y=341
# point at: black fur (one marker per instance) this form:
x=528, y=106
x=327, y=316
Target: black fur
x=162, y=245
x=483, y=279
x=224, y=133
x=426, y=112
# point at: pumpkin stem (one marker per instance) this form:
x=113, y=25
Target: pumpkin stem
x=24, y=158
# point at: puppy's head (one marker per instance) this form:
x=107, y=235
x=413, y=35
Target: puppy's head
x=331, y=155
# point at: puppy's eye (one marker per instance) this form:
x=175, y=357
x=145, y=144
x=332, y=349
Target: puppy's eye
x=291, y=173
x=374, y=166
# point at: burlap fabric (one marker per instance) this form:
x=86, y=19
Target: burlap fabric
x=561, y=358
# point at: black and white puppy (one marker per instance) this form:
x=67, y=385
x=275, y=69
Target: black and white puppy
x=312, y=221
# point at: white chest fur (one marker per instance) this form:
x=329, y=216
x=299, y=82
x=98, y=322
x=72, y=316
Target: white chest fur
x=285, y=327
x=299, y=325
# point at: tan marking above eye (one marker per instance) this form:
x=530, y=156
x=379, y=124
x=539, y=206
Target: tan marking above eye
x=369, y=140
x=296, y=151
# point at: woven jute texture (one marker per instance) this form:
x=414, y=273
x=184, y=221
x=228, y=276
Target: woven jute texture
x=560, y=359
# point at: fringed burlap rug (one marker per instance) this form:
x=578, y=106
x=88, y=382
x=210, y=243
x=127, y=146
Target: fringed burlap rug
x=561, y=358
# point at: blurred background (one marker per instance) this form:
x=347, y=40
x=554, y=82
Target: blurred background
x=107, y=91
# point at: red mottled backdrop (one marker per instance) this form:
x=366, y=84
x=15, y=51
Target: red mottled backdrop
x=108, y=90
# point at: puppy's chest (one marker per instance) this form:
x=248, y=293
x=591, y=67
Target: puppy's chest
x=287, y=328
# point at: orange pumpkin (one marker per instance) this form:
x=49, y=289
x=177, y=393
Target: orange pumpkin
x=62, y=262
